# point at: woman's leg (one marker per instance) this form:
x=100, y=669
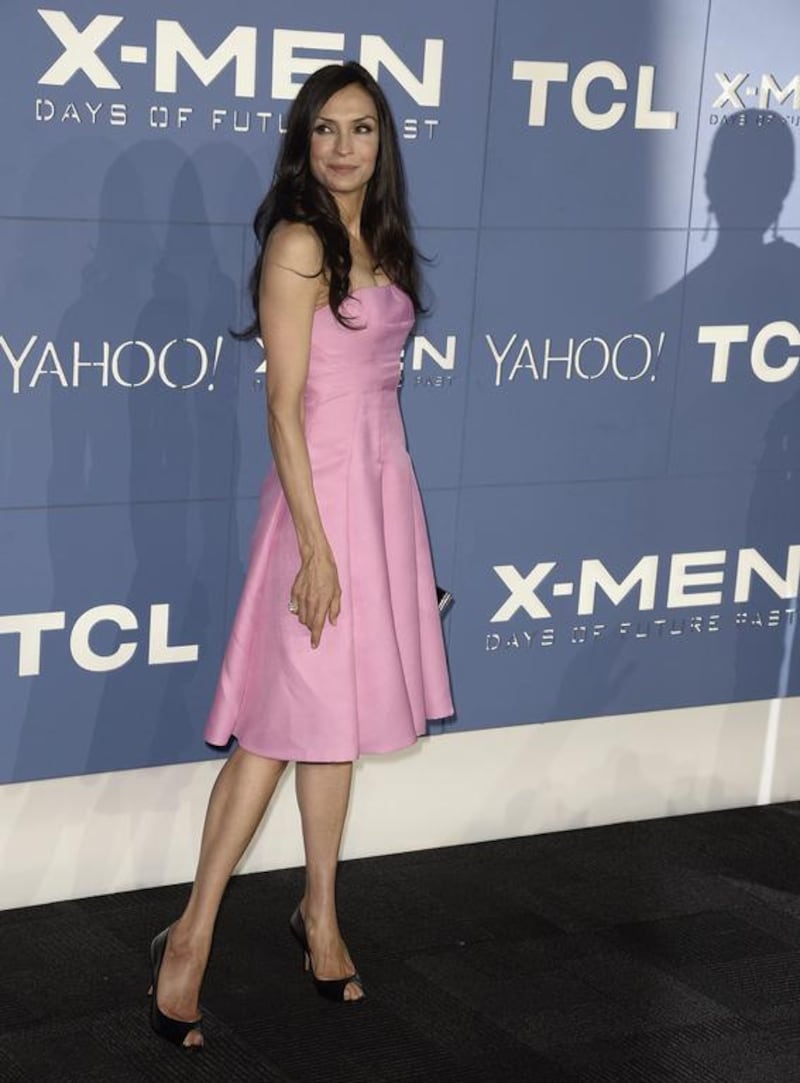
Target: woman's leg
x=323, y=792
x=236, y=807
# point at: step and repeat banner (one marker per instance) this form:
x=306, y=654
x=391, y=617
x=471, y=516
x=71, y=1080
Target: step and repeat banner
x=603, y=403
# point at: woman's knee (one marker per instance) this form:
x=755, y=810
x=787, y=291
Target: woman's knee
x=252, y=761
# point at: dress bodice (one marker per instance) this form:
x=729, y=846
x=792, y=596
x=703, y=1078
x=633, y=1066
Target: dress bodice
x=364, y=356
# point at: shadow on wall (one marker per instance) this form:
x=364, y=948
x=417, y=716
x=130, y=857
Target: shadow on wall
x=750, y=279
x=762, y=289
x=173, y=435
x=743, y=427
x=144, y=541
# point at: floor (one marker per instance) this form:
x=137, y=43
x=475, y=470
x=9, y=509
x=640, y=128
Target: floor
x=656, y=951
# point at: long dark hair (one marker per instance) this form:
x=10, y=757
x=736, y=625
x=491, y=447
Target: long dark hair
x=297, y=196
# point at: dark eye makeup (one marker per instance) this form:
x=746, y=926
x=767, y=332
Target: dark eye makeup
x=363, y=127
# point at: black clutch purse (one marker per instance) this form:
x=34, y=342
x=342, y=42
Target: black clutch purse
x=444, y=598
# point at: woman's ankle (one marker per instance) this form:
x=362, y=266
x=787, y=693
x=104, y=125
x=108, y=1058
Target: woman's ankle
x=186, y=937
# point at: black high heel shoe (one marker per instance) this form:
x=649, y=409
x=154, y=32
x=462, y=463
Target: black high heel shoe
x=330, y=988
x=174, y=1030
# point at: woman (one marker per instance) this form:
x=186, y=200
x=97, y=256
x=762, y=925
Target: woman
x=336, y=649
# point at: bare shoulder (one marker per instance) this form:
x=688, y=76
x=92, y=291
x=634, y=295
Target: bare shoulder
x=296, y=247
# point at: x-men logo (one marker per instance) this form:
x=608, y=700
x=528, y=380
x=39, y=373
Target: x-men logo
x=240, y=48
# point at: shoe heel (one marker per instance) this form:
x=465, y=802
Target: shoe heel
x=298, y=930
x=330, y=989
x=173, y=1030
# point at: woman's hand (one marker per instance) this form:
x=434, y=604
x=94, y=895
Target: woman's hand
x=317, y=594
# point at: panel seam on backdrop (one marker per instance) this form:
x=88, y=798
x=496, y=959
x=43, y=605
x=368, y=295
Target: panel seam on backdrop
x=608, y=228
x=623, y=479
x=83, y=220
x=695, y=475
x=14, y=218
x=678, y=365
x=744, y=229
x=233, y=497
x=473, y=315
x=171, y=501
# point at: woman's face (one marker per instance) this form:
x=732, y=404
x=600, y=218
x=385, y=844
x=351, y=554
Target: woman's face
x=345, y=140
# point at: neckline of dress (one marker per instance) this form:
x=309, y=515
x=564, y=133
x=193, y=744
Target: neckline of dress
x=360, y=289
x=374, y=286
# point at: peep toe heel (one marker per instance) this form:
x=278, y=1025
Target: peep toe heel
x=173, y=1030
x=329, y=988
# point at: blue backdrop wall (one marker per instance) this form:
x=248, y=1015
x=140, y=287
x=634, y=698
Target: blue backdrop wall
x=602, y=404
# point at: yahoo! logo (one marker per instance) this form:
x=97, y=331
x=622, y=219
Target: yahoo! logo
x=293, y=53
x=179, y=364
x=629, y=357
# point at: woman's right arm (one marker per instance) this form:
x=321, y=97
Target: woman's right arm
x=288, y=296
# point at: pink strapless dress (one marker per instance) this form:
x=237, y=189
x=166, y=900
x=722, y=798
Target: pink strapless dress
x=381, y=671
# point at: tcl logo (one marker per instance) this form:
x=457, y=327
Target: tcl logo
x=154, y=636
x=774, y=337
x=692, y=579
x=241, y=47
x=637, y=93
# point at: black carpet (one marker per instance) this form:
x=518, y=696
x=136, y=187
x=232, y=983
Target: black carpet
x=657, y=951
